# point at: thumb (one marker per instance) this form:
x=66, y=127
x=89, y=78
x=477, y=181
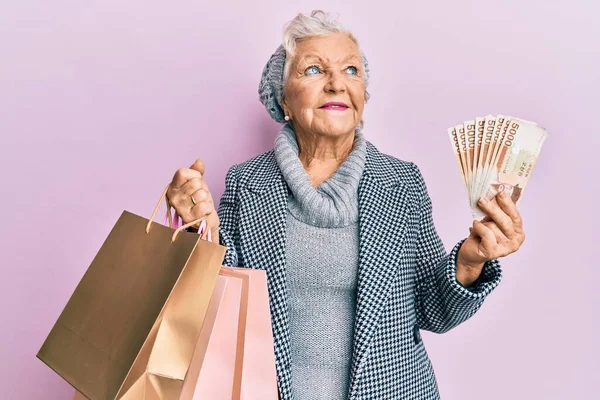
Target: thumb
x=198, y=165
x=473, y=233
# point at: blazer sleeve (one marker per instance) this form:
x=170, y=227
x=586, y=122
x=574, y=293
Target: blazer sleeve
x=229, y=216
x=441, y=301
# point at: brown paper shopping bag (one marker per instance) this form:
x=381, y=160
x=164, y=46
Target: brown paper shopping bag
x=131, y=327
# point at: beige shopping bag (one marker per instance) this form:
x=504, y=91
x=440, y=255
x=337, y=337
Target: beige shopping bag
x=131, y=327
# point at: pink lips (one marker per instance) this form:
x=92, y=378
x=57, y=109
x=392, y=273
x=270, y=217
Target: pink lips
x=335, y=106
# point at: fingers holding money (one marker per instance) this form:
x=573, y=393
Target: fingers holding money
x=504, y=222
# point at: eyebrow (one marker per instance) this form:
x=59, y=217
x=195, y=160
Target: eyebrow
x=321, y=60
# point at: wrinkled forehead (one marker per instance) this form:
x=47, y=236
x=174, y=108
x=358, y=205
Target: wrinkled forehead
x=332, y=49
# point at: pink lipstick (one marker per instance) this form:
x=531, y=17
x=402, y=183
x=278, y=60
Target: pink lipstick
x=334, y=105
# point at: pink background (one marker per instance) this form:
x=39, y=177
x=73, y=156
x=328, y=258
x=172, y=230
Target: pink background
x=101, y=101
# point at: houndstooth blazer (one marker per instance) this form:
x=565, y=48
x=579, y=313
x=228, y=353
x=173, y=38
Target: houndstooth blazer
x=406, y=281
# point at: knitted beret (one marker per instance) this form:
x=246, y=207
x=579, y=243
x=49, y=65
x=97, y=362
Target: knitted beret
x=270, y=89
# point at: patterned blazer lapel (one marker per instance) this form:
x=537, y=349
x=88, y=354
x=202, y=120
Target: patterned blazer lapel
x=263, y=207
x=383, y=209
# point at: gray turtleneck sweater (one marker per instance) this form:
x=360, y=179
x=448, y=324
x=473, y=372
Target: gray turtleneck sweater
x=322, y=270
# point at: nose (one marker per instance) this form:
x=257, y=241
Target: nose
x=336, y=83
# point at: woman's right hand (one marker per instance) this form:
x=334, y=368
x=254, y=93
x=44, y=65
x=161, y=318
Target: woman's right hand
x=189, y=194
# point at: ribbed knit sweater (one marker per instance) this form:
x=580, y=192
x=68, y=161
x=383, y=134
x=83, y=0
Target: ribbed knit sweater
x=321, y=268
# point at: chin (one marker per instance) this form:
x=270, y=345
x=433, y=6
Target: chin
x=338, y=129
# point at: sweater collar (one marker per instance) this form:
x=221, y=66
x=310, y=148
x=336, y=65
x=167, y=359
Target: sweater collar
x=334, y=203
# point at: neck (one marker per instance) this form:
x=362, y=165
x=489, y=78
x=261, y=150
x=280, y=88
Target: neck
x=322, y=155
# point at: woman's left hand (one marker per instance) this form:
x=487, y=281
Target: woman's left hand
x=497, y=235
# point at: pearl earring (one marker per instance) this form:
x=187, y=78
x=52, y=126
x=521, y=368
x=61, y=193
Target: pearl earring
x=287, y=118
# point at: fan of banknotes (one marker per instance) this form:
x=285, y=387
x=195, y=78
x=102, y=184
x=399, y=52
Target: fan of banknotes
x=496, y=153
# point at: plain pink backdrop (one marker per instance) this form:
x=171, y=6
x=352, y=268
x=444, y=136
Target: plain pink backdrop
x=101, y=101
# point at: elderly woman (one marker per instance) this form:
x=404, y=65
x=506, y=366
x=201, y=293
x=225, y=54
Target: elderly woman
x=345, y=233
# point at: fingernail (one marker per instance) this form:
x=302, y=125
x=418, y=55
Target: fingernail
x=483, y=200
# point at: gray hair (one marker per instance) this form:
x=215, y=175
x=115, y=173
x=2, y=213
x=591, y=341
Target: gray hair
x=276, y=72
x=302, y=27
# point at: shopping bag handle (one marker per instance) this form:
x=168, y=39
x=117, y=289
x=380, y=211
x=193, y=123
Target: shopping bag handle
x=170, y=217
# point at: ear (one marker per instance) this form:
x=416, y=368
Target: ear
x=286, y=110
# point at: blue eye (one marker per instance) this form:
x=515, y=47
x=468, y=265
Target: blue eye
x=352, y=70
x=312, y=70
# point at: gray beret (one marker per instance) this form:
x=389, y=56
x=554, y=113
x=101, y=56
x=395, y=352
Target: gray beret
x=270, y=88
